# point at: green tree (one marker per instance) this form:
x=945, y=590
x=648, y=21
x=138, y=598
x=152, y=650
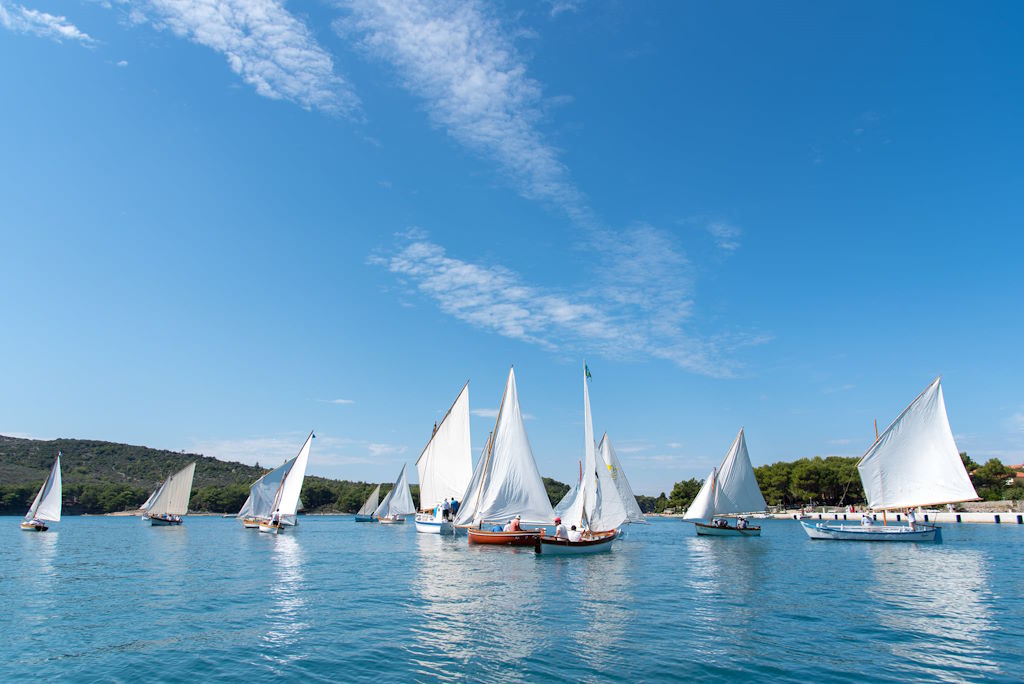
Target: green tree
x=683, y=493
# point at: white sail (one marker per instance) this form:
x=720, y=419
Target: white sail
x=467, y=504
x=582, y=506
x=732, y=488
x=246, y=510
x=263, y=492
x=609, y=510
x=611, y=461
x=915, y=462
x=287, y=503
x=510, y=483
x=703, y=506
x=47, y=504
x=370, y=505
x=398, y=501
x=152, y=497
x=172, y=499
x=565, y=504
x=446, y=465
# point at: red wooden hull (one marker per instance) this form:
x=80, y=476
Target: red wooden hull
x=521, y=538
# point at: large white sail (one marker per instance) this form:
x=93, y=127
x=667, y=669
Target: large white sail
x=47, y=504
x=510, y=482
x=398, y=501
x=287, y=503
x=263, y=492
x=467, y=504
x=732, y=488
x=915, y=462
x=611, y=462
x=172, y=499
x=446, y=465
x=370, y=505
x=583, y=504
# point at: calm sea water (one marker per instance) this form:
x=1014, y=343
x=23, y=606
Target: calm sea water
x=113, y=599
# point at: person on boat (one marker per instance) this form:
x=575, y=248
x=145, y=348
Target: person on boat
x=455, y=507
x=560, y=531
x=446, y=509
x=574, y=535
x=719, y=522
x=741, y=523
x=912, y=519
x=865, y=519
x=514, y=525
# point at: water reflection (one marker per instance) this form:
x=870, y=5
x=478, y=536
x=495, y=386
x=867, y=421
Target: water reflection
x=606, y=595
x=284, y=619
x=473, y=609
x=935, y=602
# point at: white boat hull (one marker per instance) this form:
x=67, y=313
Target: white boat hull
x=33, y=526
x=891, y=533
x=704, y=530
x=391, y=521
x=550, y=546
x=250, y=523
x=270, y=528
x=428, y=524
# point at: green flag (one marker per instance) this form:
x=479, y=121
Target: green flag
x=586, y=372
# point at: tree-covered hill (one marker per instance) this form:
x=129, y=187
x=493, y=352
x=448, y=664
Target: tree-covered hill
x=106, y=477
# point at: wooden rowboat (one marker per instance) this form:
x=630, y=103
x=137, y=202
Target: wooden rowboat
x=705, y=530
x=595, y=542
x=520, y=538
x=34, y=526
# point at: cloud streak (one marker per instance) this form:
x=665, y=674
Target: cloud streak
x=21, y=19
x=268, y=47
x=458, y=59
x=638, y=311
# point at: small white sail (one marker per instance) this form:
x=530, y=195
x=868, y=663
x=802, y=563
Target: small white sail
x=47, y=504
x=618, y=475
x=370, y=505
x=398, y=501
x=583, y=505
x=172, y=499
x=511, y=484
x=246, y=510
x=732, y=488
x=915, y=462
x=565, y=504
x=703, y=506
x=287, y=503
x=468, y=502
x=152, y=497
x=446, y=465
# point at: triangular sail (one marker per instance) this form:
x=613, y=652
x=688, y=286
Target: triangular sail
x=609, y=510
x=611, y=461
x=263, y=492
x=583, y=505
x=511, y=484
x=172, y=499
x=446, y=465
x=370, y=505
x=246, y=510
x=732, y=488
x=467, y=504
x=915, y=462
x=152, y=497
x=47, y=504
x=703, y=505
x=398, y=501
x=287, y=503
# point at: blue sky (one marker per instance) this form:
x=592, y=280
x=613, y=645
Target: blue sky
x=223, y=224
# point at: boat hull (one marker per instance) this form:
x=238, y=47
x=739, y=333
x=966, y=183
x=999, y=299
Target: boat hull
x=596, y=543
x=521, y=538
x=429, y=525
x=164, y=522
x=271, y=528
x=364, y=518
x=250, y=523
x=894, y=533
x=33, y=527
x=391, y=521
x=705, y=530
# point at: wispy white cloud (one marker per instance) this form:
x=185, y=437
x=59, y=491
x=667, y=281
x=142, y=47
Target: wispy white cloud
x=328, y=452
x=123, y=63
x=464, y=65
x=21, y=19
x=266, y=45
x=337, y=401
x=562, y=6
x=726, y=235
x=839, y=388
x=638, y=307
x=378, y=449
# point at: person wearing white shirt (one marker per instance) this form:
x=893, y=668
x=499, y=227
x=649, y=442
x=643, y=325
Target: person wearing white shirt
x=865, y=519
x=912, y=519
x=574, y=534
x=560, y=531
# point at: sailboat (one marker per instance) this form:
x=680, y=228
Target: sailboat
x=729, y=489
x=170, y=502
x=47, y=504
x=914, y=463
x=596, y=509
x=286, y=499
x=365, y=514
x=611, y=461
x=149, y=502
x=397, y=503
x=445, y=467
x=262, y=494
x=506, y=484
